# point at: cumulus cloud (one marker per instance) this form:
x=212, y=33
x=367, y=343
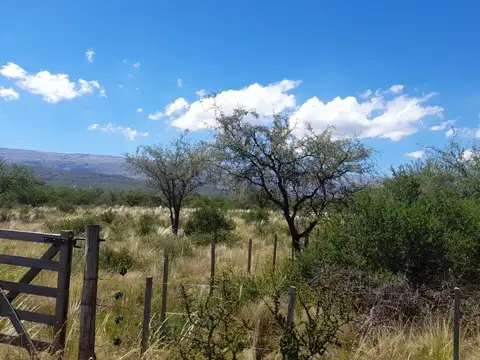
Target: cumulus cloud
x=136, y=65
x=52, y=87
x=442, y=125
x=89, y=54
x=377, y=117
x=366, y=94
x=264, y=99
x=8, y=94
x=416, y=154
x=396, y=89
x=201, y=93
x=128, y=132
x=382, y=114
x=178, y=106
x=139, y=110
x=103, y=93
x=179, y=83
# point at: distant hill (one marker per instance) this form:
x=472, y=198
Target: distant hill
x=82, y=170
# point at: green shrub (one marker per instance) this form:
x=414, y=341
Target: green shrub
x=256, y=215
x=146, y=224
x=116, y=259
x=209, y=221
x=65, y=207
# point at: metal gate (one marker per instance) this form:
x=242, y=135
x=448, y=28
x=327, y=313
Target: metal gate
x=61, y=244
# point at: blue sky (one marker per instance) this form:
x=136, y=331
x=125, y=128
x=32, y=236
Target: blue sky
x=419, y=59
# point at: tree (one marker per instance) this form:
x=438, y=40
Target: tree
x=175, y=171
x=15, y=178
x=301, y=175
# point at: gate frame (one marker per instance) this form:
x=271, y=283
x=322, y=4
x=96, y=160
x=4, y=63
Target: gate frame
x=61, y=244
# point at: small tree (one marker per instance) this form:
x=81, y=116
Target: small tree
x=175, y=171
x=15, y=178
x=301, y=175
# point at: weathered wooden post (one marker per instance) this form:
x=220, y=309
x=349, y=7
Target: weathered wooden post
x=88, y=305
x=146, y=314
x=456, y=325
x=291, y=307
x=275, y=244
x=249, y=262
x=163, y=310
x=63, y=286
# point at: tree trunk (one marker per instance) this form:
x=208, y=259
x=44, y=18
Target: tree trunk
x=296, y=245
x=176, y=221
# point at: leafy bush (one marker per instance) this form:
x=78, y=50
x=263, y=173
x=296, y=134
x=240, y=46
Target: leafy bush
x=209, y=220
x=256, y=215
x=116, y=259
x=146, y=223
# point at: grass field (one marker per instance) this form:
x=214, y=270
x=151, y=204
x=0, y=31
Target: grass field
x=137, y=237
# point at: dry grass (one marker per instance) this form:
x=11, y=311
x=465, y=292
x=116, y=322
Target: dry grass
x=191, y=265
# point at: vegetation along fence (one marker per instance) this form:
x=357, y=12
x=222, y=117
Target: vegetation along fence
x=63, y=245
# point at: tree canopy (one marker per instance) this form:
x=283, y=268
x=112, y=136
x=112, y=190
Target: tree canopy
x=175, y=171
x=299, y=173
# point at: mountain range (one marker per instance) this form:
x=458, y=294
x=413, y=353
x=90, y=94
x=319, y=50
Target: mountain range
x=81, y=170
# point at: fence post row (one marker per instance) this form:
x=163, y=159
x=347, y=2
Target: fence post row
x=10, y=290
x=88, y=305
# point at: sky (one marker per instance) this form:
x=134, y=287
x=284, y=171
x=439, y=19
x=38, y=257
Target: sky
x=103, y=77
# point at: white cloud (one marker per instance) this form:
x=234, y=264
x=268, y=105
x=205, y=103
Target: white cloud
x=136, y=65
x=155, y=116
x=201, y=93
x=416, y=154
x=139, y=110
x=264, y=99
x=131, y=76
x=396, y=89
x=179, y=83
x=128, y=132
x=379, y=116
x=137, y=89
x=178, y=106
x=442, y=125
x=8, y=94
x=121, y=86
x=103, y=93
x=376, y=117
x=89, y=54
x=52, y=87
x=366, y=94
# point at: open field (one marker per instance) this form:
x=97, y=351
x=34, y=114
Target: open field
x=139, y=244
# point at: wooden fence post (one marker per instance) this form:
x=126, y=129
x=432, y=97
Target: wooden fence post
x=88, y=305
x=456, y=325
x=146, y=314
x=249, y=262
x=212, y=261
x=163, y=310
x=291, y=307
x=275, y=244
x=63, y=286
x=306, y=241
